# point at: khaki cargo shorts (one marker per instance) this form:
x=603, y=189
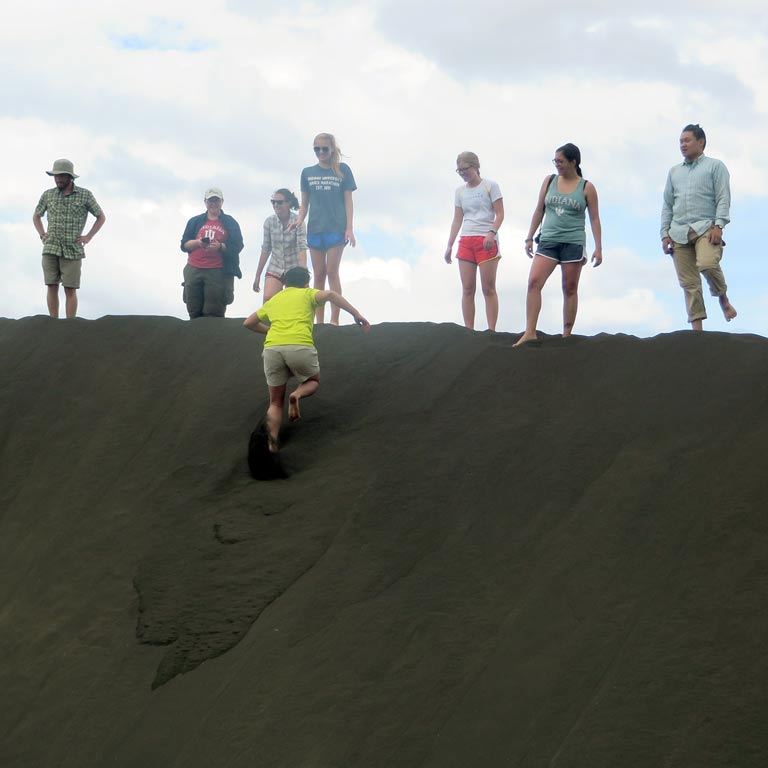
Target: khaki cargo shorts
x=286, y=360
x=57, y=269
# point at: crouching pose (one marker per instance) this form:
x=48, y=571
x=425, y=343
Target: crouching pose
x=289, y=349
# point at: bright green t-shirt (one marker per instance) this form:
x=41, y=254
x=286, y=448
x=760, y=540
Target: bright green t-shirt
x=291, y=314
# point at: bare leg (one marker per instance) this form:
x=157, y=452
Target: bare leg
x=305, y=389
x=319, y=271
x=697, y=325
x=70, y=295
x=488, y=285
x=727, y=307
x=275, y=415
x=541, y=269
x=52, y=298
x=570, y=274
x=333, y=262
x=468, y=274
x=272, y=286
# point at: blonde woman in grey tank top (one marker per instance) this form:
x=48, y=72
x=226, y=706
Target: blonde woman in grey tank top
x=564, y=200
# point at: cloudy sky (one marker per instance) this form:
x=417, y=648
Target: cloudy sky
x=156, y=104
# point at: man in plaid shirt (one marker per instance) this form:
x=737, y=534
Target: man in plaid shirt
x=67, y=207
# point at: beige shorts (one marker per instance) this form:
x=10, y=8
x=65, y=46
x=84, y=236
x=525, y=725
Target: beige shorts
x=286, y=360
x=57, y=269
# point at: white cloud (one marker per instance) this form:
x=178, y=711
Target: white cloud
x=155, y=105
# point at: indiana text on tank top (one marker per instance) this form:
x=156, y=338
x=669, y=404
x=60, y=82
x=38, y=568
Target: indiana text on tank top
x=564, y=215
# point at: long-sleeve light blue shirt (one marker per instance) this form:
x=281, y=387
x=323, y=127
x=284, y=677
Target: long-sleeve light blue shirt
x=697, y=196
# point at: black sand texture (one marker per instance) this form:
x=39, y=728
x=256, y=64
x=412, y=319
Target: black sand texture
x=481, y=556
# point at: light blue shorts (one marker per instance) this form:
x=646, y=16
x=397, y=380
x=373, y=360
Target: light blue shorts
x=322, y=241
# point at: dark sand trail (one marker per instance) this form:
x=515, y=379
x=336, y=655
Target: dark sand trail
x=551, y=556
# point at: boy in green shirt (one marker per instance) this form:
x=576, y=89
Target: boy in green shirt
x=289, y=349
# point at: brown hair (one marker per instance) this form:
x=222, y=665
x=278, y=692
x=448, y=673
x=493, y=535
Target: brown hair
x=572, y=153
x=470, y=158
x=290, y=198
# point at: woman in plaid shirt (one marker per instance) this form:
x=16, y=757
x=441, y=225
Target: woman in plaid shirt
x=287, y=246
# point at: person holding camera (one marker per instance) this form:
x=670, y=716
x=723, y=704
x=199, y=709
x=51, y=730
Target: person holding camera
x=564, y=199
x=213, y=242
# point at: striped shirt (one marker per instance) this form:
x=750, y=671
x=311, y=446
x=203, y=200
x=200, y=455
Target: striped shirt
x=66, y=220
x=697, y=196
x=283, y=245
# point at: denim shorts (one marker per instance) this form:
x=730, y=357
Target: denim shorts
x=322, y=241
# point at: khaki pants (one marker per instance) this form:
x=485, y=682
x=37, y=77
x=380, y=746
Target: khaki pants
x=695, y=258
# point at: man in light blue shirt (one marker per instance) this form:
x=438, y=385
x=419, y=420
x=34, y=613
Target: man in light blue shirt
x=697, y=199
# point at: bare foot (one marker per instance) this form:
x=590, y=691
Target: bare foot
x=293, y=408
x=271, y=432
x=525, y=339
x=727, y=308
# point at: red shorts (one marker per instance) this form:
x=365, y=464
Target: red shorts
x=471, y=249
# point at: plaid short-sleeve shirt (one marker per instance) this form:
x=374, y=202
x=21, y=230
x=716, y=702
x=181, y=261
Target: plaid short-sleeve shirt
x=66, y=220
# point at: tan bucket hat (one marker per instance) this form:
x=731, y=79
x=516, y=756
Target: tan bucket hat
x=63, y=166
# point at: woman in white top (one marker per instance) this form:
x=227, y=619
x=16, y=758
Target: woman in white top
x=478, y=213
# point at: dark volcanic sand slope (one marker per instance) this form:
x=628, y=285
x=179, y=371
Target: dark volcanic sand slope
x=483, y=556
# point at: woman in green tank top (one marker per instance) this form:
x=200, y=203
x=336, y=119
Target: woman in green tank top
x=564, y=200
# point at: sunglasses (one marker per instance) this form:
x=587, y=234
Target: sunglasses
x=278, y=202
x=318, y=150
x=464, y=170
